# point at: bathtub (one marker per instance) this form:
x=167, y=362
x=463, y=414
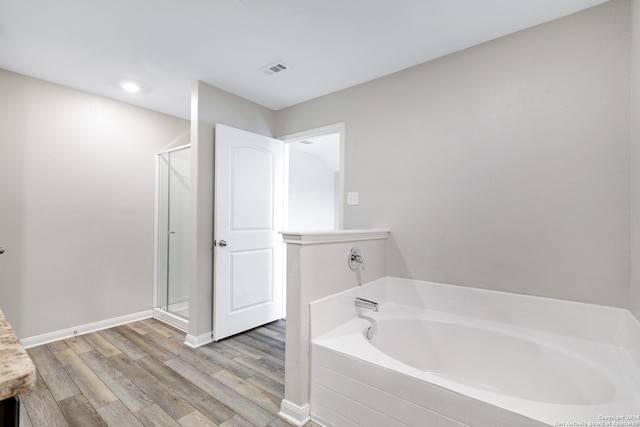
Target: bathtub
x=444, y=355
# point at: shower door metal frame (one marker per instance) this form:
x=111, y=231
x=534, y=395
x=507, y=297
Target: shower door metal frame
x=164, y=314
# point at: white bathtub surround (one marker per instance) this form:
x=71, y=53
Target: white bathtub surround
x=317, y=267
x=630, y=338
x=608, y=325
x=492, y=358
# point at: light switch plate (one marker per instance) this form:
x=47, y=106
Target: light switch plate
x=353, y=199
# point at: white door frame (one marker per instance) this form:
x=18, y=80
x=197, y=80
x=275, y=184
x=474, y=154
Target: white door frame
x=308, y=134
x=297, y=137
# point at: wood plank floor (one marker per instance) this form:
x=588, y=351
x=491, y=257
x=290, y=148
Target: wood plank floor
x=141, y=374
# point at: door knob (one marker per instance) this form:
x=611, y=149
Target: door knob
x=1, y=251
x=222, y=243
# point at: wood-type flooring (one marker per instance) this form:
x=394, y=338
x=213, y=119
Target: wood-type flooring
x=141, y=374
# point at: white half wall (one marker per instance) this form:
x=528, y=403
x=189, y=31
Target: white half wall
x=317, y=267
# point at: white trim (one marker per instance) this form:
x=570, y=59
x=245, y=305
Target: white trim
x=84, y=329
x=175, y=149
x=195, y=342
x=171, y=319
x=294, y=414
x=305, y=134
x=156, y=240
x=285, y=200
x=337, y=236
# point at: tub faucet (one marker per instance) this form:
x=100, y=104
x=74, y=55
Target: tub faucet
x=365, y=303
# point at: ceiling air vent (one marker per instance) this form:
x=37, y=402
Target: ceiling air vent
x=274, y=68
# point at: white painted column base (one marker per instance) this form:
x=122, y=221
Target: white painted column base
x=294, y=414
x=200, y=340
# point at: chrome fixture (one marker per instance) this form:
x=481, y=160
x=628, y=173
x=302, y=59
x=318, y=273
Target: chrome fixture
x=355, y=259
x=368, y=333
x=365, y=303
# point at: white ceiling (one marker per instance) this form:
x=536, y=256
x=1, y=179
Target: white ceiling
x=166, y=45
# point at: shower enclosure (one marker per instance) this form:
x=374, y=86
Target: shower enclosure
x=172, y=253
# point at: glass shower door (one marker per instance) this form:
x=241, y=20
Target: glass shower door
x=174, y=184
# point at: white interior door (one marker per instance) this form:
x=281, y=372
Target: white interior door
x=249, y=183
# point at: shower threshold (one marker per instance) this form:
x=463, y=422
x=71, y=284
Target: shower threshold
x=173, y=319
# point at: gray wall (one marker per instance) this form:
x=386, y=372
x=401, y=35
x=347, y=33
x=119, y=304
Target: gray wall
x=504, y=166
x=635, y=158
x=210, y=105
x=77, y=188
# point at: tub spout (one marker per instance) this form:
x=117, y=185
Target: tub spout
x=365, y=303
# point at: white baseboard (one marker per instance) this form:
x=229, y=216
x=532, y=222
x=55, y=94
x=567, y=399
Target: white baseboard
x=200, y=340
x=294, y=414
x=84, y=329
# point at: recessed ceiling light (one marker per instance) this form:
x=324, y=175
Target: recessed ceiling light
x=130, y=87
